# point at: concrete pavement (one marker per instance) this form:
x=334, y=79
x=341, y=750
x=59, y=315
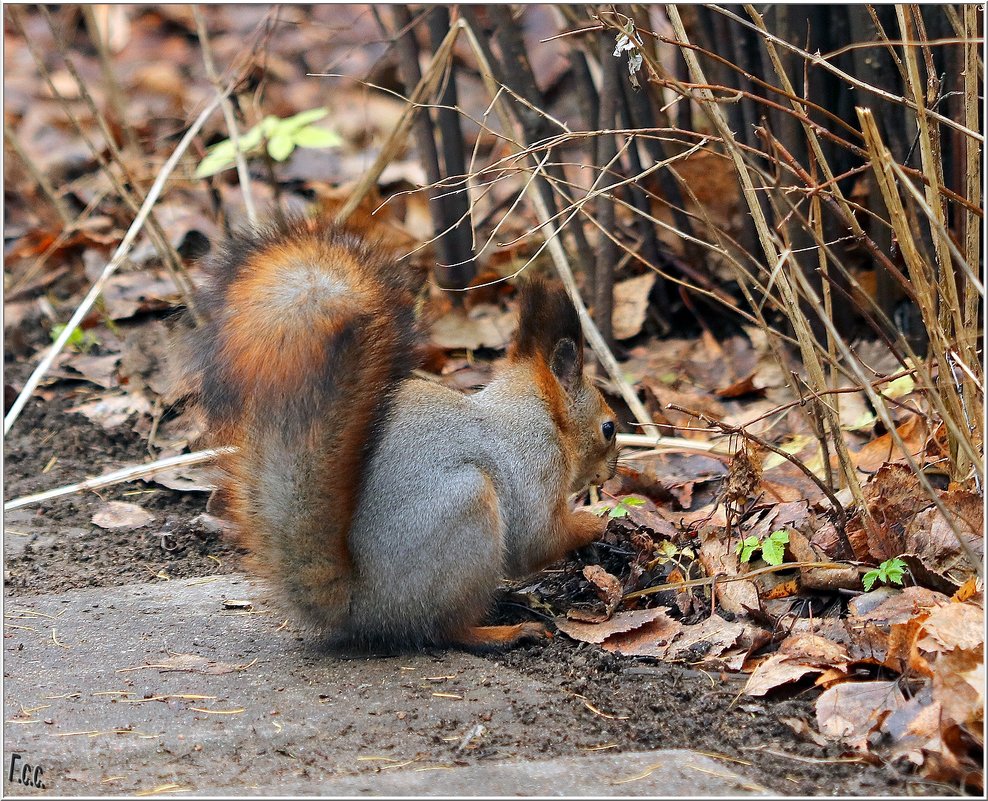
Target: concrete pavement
x=180, y=687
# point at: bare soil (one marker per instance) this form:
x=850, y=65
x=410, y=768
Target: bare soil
x=636, y=704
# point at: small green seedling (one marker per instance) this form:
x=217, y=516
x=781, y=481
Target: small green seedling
x=773, y=547
x=623, y=507
x=282, y=137
x=891, y=571
x=79, y=340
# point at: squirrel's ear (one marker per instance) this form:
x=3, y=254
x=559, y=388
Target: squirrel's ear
x=567, y=363
x=549, y=325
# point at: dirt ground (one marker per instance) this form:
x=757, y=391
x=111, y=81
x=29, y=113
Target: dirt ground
x=637, y=703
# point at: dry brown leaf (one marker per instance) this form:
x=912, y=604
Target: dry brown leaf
x=127, y=294
x=736, y=597
x=484, y=326
x=852, y=710
x=607, y=587
x=959, y=686
x=774, y=672
x=954, y=625
x=930, y=538
x=741, y=388
x=98, y=370
x=621, y=622
x=111, y=411
x=884, y=449
x=121, y=515
x=711, y=638
x=652, y=639
x=798, y=655
x=631, y=305
x=803, y=729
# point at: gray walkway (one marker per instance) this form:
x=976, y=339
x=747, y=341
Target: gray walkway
x=172, y=687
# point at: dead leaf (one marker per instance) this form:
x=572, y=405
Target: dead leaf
x=930, y=538
x=187, y=479
x=621, y=622
x=884, y=449
x=127, y=294
x=852, y=710
x=741, y=388
x=959, y=686
x=798, y=655
x=484, y=326
x=121, y=515
x=954, y=625
x=607, y=587
x=735, y=597
x=652, y=639
x=98, y=370
x=804, y=730
x=711, y=638
x=114, y=410
x=631, y=305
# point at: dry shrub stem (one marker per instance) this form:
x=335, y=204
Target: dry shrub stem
x=243, y=175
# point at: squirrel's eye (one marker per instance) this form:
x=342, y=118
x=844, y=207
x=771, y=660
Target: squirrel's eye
x=608, y=429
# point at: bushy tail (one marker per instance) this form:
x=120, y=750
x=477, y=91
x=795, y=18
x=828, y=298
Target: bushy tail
x=309, y=333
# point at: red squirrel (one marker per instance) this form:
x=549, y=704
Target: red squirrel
x=386, y=508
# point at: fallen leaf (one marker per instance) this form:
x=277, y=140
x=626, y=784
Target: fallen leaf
x=852, y=710
x=741, y=388
x=621, y=622
x=484, y=326
x=187, y=479
x=114, y=410
x=631, y=305
x=607, y=587
x=735, y=597
x=930, y=538
x=652, y=639
x=803, y=729
x=118, y=514
x=884, y=449
x=798, y=656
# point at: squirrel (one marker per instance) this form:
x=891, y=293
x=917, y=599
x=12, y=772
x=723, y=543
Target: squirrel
x=387, y=508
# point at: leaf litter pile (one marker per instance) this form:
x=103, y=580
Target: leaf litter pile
x=726, y=553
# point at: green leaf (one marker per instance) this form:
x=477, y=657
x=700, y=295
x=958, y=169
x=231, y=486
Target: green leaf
x=280, y=146
x=213, y=163
x=773, y=551
x=619, y=511
x=667, y=549
x=747, y=547
x=869, y=579
x=900, y=387
x=633, y=501
x=894, y=570
x=311, y=136
x=301, y=119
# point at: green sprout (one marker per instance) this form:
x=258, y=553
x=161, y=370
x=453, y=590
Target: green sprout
x=623, y=507
x=281, y=135
x=891, y=571
x=773, y=547
x=79, y=340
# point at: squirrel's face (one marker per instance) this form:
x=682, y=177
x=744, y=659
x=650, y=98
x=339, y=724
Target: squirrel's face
x=596, y=434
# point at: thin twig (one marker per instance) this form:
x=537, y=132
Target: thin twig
x=118, y=257
x=120, y=476
x=243, y=175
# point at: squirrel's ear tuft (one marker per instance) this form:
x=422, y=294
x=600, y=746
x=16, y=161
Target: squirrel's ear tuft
x=548, y=324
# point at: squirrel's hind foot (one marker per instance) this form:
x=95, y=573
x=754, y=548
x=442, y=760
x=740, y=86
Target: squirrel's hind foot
x=491, y=638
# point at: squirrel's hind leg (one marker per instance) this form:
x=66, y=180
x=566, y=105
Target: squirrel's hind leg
x=490, y=638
